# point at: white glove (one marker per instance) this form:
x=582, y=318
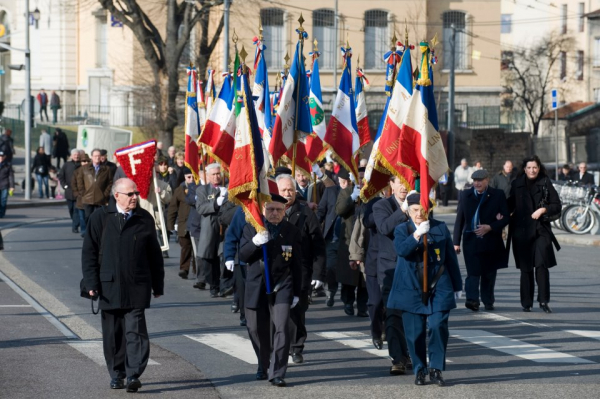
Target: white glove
x=404, y=206
x=457, y=295
x=261, y=238
x=352, y=179
x=317, y=170
x=223, y=191
x=355, y=193
x=229, y=265
x=316, y=284
x=423, y=228
x=220, y=201
x=294, y=302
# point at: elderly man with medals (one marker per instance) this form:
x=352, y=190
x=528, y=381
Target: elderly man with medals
x=429, y=307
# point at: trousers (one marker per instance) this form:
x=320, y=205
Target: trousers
x=394, y=330
x=331, y=248
x=71, y=205
x=125, y=341
x=415, y=326
x=375, y=306
x=486, y=282
x=187, y=255
x=297, y=324
x=542, y=277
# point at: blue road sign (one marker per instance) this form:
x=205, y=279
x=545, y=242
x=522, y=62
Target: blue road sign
x=554, y=98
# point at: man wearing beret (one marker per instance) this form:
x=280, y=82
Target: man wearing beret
x=481, y=215
x=283, y=243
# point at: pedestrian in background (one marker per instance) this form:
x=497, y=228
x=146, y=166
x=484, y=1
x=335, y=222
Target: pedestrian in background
x=532, y=196
x=94, y=183
x=52, y=180
x=46, y=142
x=121, y=263
x=7, y=182
x=41, y=169
x=65, y=175
x=61, y=146
x=54, y=106
x=567, y=174
x=503, y=179
x=584, y=177
x=42, y=98
x=78, y=192
x=7, y=145
x=462, y=175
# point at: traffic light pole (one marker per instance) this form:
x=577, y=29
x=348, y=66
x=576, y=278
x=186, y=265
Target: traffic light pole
x=28, y=105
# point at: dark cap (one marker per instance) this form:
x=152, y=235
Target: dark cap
x=282, y=170
x=186, y=171
x=103, y=153
x=480, y=174
x=343, y=174
x=278, y=198
x=415, y=199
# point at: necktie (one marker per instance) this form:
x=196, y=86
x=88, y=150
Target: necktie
x=124, y=217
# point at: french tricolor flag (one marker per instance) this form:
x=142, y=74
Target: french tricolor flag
x=293, y=115
x=260, y=92
x=362, y=120
x=219, y=130
x=342, y=130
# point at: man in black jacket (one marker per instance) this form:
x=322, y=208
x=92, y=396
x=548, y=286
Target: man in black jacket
x=64, y=177
x=283, y=244
x=122, y=263
x=313, y=262
x=388, y=214
x=7, y=182
x=584, y=177
x=481, y=215
x=331, y=232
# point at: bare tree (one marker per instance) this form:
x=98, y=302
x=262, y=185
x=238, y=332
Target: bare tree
x=530, y=72
x=163, y=49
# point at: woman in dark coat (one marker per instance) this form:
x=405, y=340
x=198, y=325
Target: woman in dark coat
x=61, y=147
x=445, y=285
x=532, y=199
x=41, y=168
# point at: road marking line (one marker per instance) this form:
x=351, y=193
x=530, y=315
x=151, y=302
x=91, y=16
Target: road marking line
x=515, y=347
x=231, y=344
x=39, y=308
x=586, y=334
x=500, y=318
x=16, y=306
x=94, y=351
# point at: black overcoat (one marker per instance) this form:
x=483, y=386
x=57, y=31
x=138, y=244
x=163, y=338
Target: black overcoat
x=388, y=216
x=287, y=271
x=532, y=239
x=130, y=267
x=486, y=254
x=373, y=246
x=326, y=209
x=65, y=175
x=345, y=208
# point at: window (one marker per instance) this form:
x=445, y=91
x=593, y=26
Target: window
x=579, y=65
x=377, y=38
x=597, y=95
x=101, y=40
x=596, y=61
x=563, y=65
x=324, y=32
x=505, y=23
x=456, y=19
x=581, y=19
x=563, y=18
x=272, y=22
x=99, y=94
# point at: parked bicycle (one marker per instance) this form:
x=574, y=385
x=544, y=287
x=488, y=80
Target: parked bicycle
x=581, y=208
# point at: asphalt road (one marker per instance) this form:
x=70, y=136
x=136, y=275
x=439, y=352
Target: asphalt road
x=201, y=350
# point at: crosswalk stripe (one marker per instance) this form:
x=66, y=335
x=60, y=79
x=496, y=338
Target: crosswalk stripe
x=358, y=340
x=94, y=351
x=515, y=347
x=231, y=344
x=585, y=333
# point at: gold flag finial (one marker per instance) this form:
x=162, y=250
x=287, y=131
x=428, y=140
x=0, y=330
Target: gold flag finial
x=243, y=54
x=434, y=41
x=315, y=43
x=287, y=60
x=300, y=28
x=358, y=61
x=393, y=41
x=234, y=37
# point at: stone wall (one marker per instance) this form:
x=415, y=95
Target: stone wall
x=494, y=146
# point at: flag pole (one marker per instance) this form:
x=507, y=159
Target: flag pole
x=300, y=31
x=163, y=229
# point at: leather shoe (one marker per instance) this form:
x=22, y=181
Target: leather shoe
x=330, y=300
x=349, y=309
x=409, y=364
x=226, y=292
x=261, y=376
x=398, y=369
x=183, y=274
x=545, y=307
x=474, y=306
x=420, y=378
x=200, y=286
x=435, y=376
x=278, y=382
x=235, y=308
x=117, y=383
x=133, y=384
x=243, y=322
x=377, y=343
x=362, y=313
x=527, y=309
x=490, y=307
x=297, y=358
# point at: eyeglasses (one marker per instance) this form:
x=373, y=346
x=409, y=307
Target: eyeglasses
x=131, y=194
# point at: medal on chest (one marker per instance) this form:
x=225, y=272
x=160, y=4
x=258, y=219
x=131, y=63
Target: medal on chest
x=287, y=252
x=437, y=252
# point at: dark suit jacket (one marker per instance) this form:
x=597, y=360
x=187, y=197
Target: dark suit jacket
x=373, y=246
x=208, y=209
x=387, y=215
x=326, y=210
x=287, y=272
x=486, y=254
x=586, y=180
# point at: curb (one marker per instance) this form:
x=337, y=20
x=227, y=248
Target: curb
x=20, y=205
x=582, y=240
x=14, y=225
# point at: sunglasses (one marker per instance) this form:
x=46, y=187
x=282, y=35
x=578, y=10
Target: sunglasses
x=131, y=194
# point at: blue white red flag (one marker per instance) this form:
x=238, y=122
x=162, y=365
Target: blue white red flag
x=260, y=92
x=362, y=120
x=193, y=123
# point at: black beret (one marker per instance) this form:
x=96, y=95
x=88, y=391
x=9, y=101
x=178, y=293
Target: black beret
x=282, y=170
x=415, y=199
x=103, y=152
x=278, y=198
x=186, y=171
x=343, y=174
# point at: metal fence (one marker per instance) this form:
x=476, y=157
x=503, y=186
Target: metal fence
x=482, y=117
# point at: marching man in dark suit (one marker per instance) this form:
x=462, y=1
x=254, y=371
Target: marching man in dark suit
x=284, y=256
x=482, y=214
x=122, y=263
